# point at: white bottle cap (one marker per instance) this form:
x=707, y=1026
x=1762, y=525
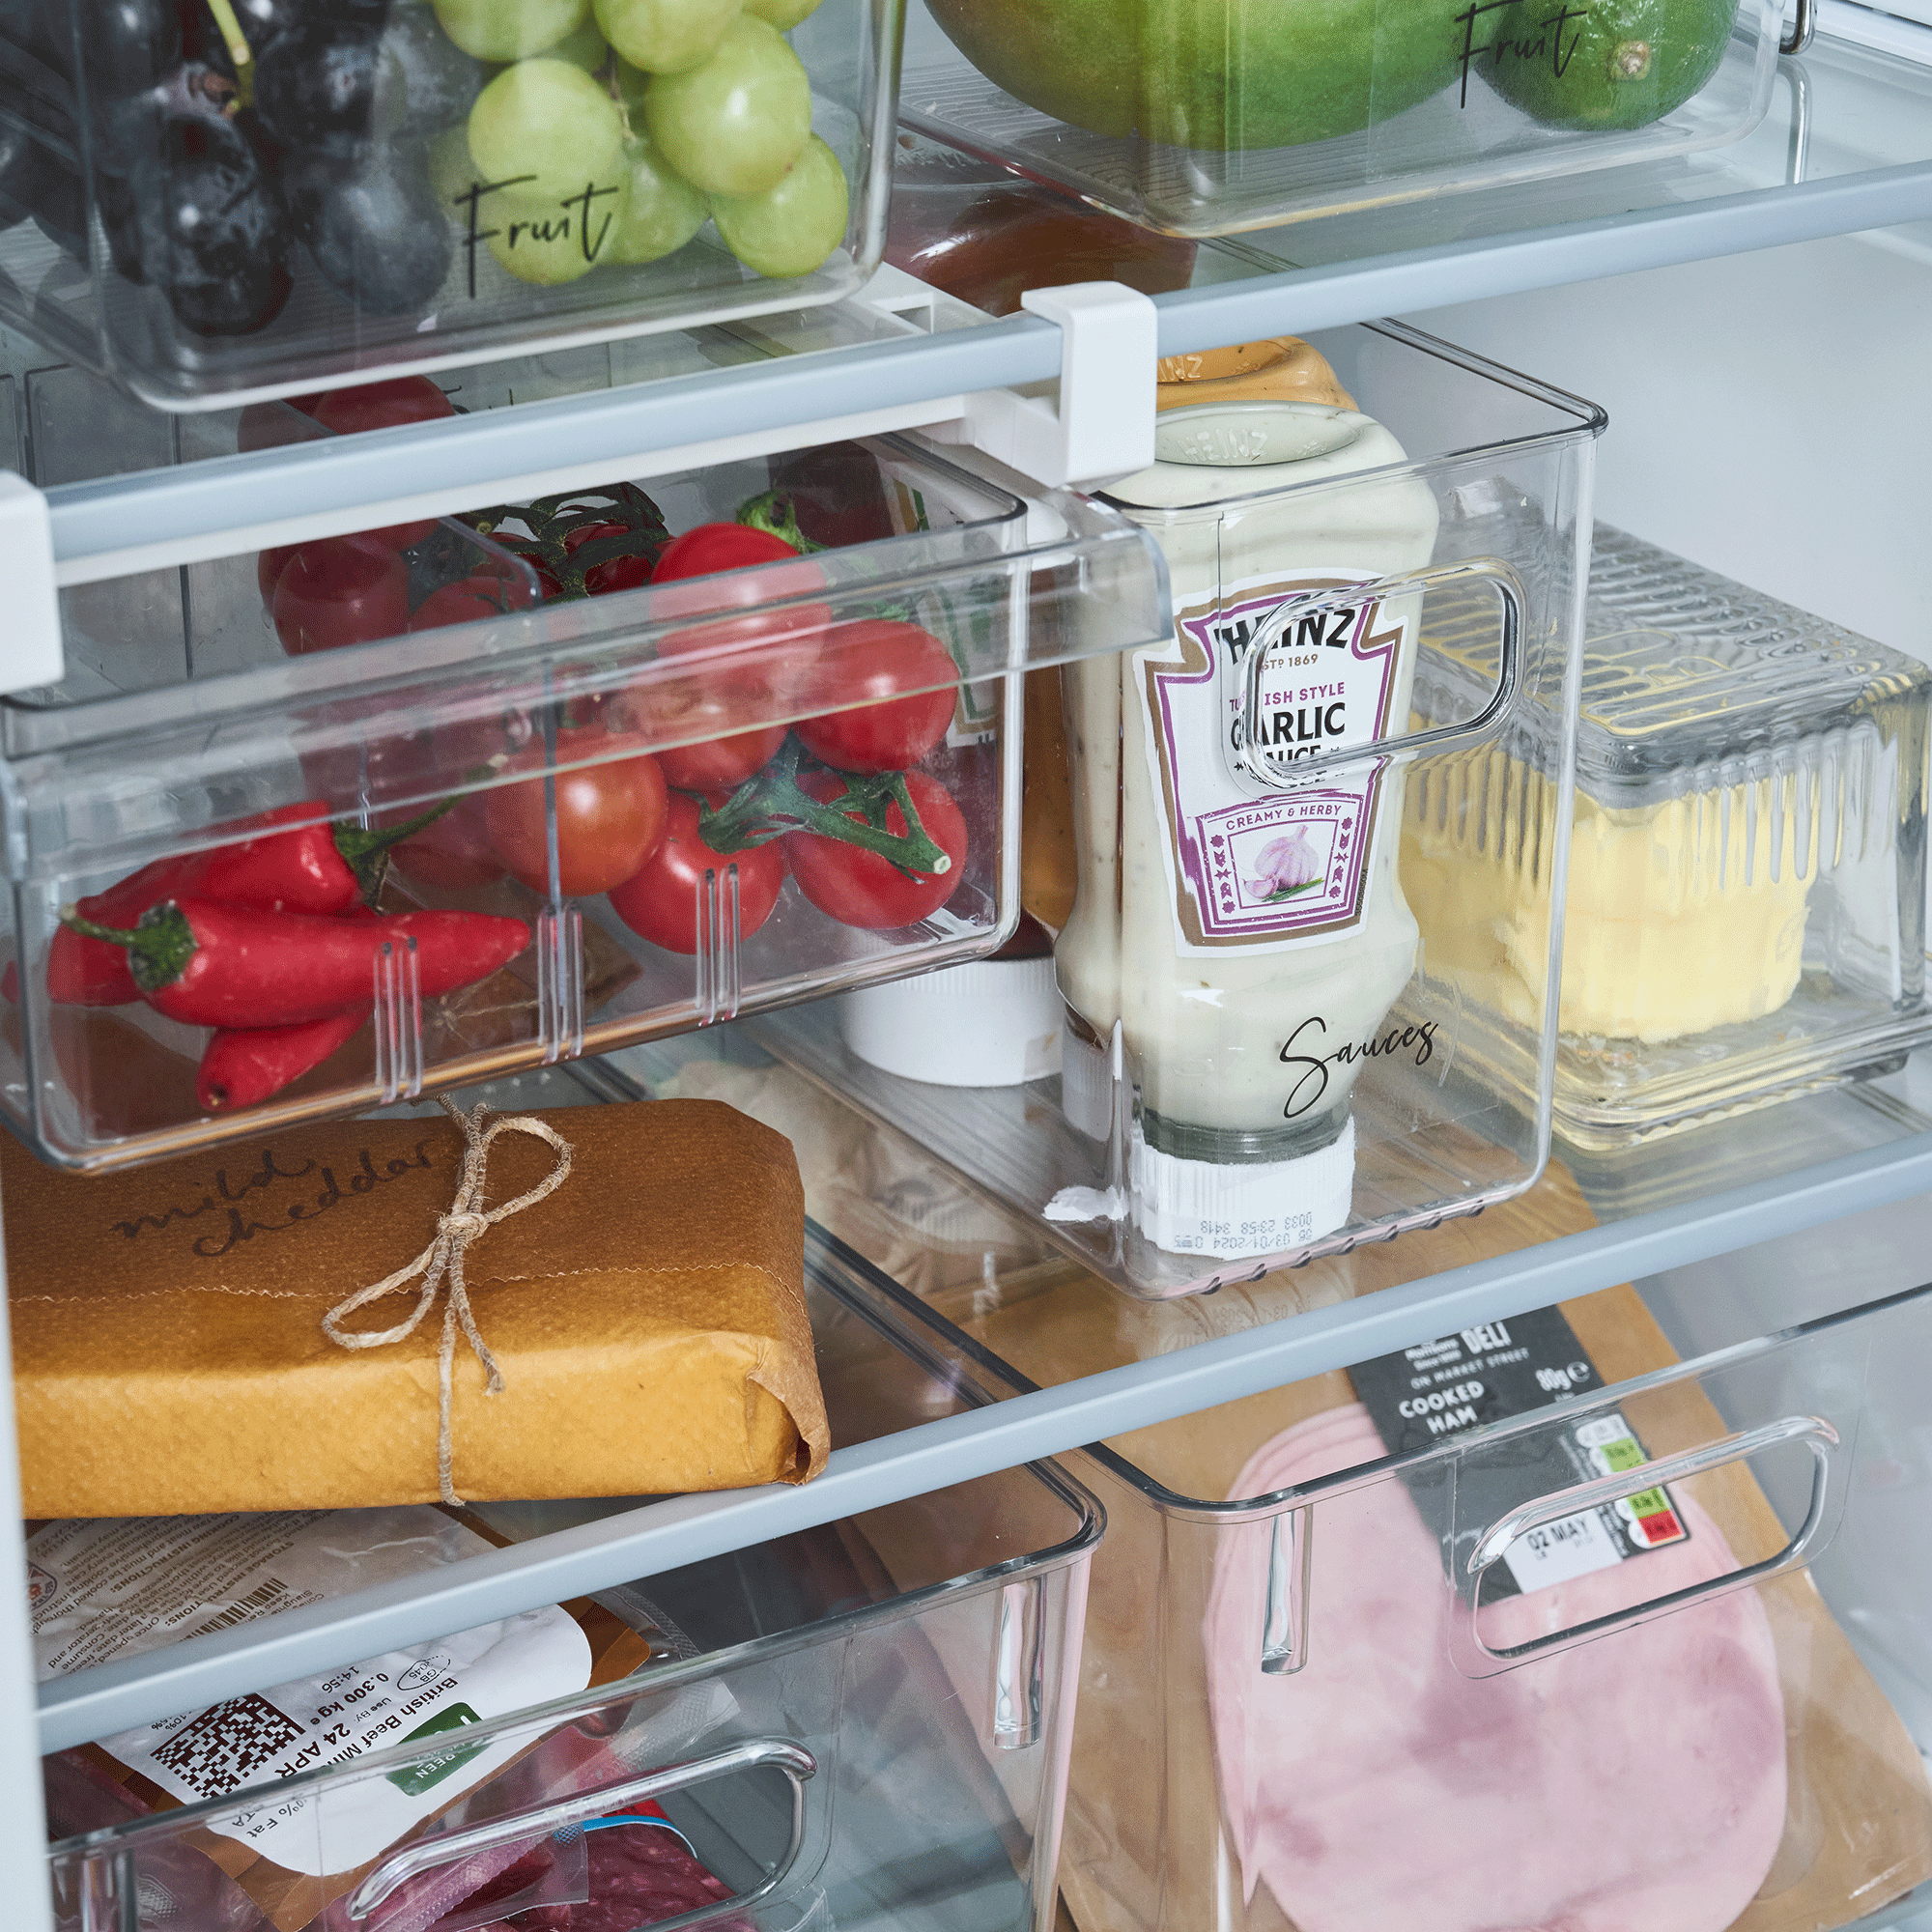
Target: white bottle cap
x=1086, y=1085
x=1234, y=1209
x=994, y=1023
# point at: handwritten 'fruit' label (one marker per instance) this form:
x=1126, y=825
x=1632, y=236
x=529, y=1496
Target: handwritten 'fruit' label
x=1255, y=856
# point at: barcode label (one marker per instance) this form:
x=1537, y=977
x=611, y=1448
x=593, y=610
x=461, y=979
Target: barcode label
x=226, y=1746
x=261, y=1602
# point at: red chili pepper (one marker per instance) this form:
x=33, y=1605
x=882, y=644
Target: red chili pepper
x=242, y=1066
x=208, y=964
x=323, y=869
x=84, y=972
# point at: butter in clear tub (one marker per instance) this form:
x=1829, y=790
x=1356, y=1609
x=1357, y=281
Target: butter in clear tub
x=1744, y=917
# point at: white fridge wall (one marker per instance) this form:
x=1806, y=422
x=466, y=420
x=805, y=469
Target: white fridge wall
x=1769, y=414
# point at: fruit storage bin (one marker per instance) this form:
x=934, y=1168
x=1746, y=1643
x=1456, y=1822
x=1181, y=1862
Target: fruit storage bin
x=1262, y=1058
x=1747, y=898
x=1211, y=121
x=861, y=1723
x=1598, y=1639
x=183, y=721
x=213, y=202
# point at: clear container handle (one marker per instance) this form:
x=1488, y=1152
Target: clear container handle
x=796, y=1763
x=1509, y=590
x=1816, y=1434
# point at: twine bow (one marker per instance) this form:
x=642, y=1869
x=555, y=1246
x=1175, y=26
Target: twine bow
x=465, y=1223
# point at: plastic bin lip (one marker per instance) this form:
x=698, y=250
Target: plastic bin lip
x=1364, y=1475
x=1578, y=415
x=859, y=1288
x=518, y=642
x=1578, y=418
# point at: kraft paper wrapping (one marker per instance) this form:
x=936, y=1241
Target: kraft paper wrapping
x=1142, y=1815
x=648, y=1317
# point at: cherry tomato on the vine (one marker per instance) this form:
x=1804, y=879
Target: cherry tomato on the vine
x=402, y=399
x=777, y=644
x=341, y=590
x=620, y=573
x=609, y=818
x=877, y=659
x=453, y=851
x=861, y=888
x=268, y=565
x=710, y=548
x=483, y=594
x=668, y=901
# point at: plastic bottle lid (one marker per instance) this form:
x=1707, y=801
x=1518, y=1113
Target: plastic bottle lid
x=993, y=1023
x=1237, y=1209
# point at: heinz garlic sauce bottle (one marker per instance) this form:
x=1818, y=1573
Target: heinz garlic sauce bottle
x=1244, y=932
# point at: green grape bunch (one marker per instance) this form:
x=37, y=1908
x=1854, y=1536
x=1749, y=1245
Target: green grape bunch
x=613, y=129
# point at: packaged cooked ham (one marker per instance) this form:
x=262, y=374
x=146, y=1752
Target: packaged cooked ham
x=1302, y=1710
x=1616, y=1784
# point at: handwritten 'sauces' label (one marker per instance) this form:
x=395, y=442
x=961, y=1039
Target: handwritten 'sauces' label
x=1255, y=858
x=1304, y=1054
x=254, y=1204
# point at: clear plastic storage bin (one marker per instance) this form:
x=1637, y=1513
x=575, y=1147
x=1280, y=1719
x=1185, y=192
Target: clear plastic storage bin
x=566, y=733
x=1746, y=897
x=1529, y=1625
x=1261, y=1057
x=212, y=202
x=866, y=1722
x=1213, y=120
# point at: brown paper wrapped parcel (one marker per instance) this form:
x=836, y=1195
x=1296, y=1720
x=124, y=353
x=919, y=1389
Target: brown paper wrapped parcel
x=647, y=1317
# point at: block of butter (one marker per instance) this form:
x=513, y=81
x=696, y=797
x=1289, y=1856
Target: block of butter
x=1680, y=916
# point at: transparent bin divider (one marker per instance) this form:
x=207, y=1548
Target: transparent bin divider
x=1479, y=745
x=1194, y=127
x=502, y=714
x=821, y=1720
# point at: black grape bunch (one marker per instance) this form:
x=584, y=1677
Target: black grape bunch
x=221, y=133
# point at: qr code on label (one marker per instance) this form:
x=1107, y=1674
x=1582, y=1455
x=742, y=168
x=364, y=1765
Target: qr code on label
x=227, y=1744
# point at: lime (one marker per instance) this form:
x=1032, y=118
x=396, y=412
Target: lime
x=1603, y=64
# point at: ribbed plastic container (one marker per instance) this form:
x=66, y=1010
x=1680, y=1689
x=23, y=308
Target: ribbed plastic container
x=1378, y=617
x=863, y=1723
x=217, y=203
x=575, y=747
x=1222, y=118
x=1746, y=914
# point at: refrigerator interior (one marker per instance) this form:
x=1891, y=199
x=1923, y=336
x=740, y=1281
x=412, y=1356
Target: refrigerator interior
x=1769, y=414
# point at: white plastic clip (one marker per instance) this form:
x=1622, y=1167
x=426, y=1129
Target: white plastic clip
x=1103, y=426
x=30, y=643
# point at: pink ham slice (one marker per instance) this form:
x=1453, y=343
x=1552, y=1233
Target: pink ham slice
x=1633, y=1784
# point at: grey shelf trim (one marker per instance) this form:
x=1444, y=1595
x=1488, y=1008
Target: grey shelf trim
x=472, y=455
x=1577, y=252
x=687, y=1529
